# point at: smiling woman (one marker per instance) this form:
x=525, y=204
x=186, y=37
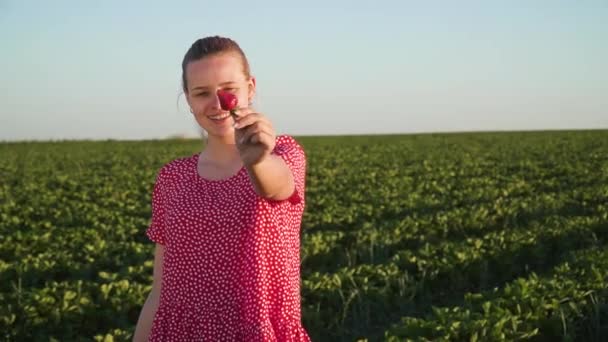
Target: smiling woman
x=226, y=221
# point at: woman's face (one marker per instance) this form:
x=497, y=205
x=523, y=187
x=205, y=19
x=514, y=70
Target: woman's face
x=208, y=75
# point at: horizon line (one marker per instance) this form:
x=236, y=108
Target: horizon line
x=175, y=137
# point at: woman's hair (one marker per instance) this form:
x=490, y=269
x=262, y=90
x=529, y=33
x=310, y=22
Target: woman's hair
x=208, y=46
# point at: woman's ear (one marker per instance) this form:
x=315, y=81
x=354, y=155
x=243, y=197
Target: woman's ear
x=187, y=96
x=251, y=92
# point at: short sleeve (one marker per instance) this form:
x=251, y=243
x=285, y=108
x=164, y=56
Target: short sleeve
x=156, y=229
x=294, y=156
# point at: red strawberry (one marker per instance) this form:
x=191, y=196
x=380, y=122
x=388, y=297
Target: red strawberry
x=228, y=101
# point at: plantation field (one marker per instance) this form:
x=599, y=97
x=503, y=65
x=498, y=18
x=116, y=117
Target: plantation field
x=456, y=237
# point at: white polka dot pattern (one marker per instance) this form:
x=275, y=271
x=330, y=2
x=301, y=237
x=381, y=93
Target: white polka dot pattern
x=231, y=270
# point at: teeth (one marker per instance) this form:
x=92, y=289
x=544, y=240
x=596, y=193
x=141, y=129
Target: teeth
x=219, y=117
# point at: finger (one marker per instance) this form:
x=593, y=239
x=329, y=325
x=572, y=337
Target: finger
x=244, y=121
x=250, y=137
x=246, y=137
x=243, y=111
x=238, y=136
x=265, y=138
x=249, y=119
x=253, y=129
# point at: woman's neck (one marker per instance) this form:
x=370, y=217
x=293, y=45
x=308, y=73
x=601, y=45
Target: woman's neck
x=221, y=152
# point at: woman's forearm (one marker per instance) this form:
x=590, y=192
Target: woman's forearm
x=146, y=317
x=272, y=178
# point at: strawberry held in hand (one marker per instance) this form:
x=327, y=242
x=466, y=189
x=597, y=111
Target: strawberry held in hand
x=253, y=133
x=228, y=101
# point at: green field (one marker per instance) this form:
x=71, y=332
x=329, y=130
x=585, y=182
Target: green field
x=459, y=237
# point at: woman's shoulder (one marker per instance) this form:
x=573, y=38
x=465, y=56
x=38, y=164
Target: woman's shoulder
x=177, y=167
x=286, y=142
x=286, y=138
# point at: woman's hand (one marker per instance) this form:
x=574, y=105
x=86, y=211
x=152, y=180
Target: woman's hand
x=254, y=136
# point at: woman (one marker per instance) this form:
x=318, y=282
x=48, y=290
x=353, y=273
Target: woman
x=226, y=222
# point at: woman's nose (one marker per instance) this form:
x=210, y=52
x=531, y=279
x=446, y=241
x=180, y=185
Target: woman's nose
x=216, y=101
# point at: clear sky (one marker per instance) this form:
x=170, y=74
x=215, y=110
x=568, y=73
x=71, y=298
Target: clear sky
x=111, y=69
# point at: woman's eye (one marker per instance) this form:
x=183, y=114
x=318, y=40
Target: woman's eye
x=232, y=90
x=203, y=93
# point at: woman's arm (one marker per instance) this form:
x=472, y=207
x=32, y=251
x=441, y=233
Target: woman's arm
x=272, y=178
x=146, y=317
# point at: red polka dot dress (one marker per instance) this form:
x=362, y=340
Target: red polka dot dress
x=231, y=268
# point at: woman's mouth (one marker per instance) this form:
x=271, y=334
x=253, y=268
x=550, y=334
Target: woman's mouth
x=220, y=118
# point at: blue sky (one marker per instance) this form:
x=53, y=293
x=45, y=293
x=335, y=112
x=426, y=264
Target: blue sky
x=111, y=69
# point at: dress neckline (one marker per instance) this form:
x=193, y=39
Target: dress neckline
x=200, y=178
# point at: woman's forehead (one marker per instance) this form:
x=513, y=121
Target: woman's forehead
x=214, y=66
